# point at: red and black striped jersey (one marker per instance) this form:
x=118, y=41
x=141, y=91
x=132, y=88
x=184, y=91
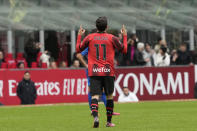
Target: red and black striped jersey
x=101, y=52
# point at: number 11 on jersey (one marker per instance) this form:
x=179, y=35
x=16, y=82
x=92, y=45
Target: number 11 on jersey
x=98, y=49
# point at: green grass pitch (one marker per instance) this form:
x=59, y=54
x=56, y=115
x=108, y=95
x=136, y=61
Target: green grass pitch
x=142, y=116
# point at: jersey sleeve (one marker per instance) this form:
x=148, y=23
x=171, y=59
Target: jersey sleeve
x=117, y=44
x=81, y=46
x=84, y=52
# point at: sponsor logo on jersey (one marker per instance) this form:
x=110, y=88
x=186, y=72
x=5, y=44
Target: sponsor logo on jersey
x=101, y=69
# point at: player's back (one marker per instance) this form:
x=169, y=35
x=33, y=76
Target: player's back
x=101, y=54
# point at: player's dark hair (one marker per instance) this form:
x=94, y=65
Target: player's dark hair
x=101, y=23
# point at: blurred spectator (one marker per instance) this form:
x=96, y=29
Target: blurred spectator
x=130, y=52
x=21, y=65
x=135, y=39
x=1, y=58
x=162, y=58
x=53, y=65
x=148, y=54
x=184, y=56
x=26, y=90
x=44, y=58
x=159, y=44
x=63, y=64
x=173, y=57
x=127, y=96
x=31, y=49
x=138, y=56
x=76, y=64
x=120, y=57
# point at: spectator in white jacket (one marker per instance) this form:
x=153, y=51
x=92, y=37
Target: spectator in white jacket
x=162, y=58
x=44, y=58
x=127, y=96
x=148, y=54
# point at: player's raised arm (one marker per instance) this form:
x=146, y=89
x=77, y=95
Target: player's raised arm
x=81, y=46
x=117, y=44
x=124, y=33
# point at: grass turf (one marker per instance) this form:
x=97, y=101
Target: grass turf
x=143, y=116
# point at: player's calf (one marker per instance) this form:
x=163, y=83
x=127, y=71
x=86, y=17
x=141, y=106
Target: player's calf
x=109, y=109
x=94, y=108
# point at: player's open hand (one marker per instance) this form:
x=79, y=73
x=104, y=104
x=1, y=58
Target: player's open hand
x=123, y=30
x=81, y=30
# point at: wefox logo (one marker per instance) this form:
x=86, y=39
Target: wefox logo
x=101, y=69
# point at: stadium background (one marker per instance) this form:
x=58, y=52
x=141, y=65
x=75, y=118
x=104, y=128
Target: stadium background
x=166, y=94
x=174, y=21
x=54, y=24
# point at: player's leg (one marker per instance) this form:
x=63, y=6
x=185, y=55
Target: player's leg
x=104, y=99
x=109, y=109
x=94, y=105
x=109, y=89
x=94, y=108
x=95, y=91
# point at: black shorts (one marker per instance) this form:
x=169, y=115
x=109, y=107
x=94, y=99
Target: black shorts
x=98, y=83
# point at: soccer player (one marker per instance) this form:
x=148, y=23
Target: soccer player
x=80, y=56
x=101, y=64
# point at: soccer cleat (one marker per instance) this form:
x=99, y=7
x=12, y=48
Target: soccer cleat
x=96, y=122
x=116, y=114
x=110, y=124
